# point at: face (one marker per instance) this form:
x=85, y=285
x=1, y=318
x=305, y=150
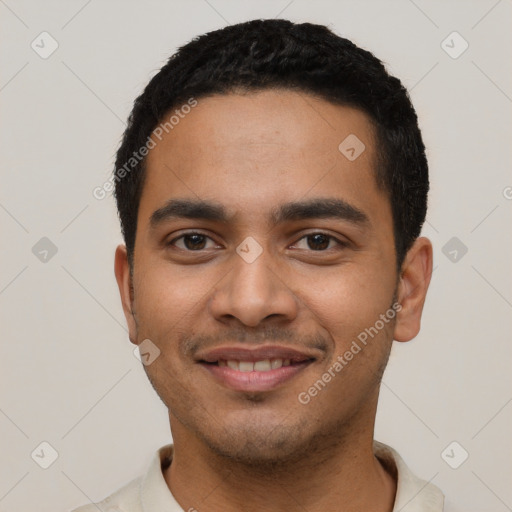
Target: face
x=263, y=256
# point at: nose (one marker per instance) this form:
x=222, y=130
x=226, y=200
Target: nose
x=252, y=292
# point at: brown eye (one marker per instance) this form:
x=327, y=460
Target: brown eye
x=319, y=242
x=191, y=242
x=194, y=242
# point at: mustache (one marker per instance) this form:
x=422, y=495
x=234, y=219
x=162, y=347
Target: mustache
x=190, y=345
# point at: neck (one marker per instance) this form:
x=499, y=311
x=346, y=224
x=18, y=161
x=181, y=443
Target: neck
x=343, y=475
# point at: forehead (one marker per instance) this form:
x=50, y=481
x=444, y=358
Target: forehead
x=239, y=123
x=251, y=150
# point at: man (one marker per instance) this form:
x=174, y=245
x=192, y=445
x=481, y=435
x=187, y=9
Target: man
x=271, y=186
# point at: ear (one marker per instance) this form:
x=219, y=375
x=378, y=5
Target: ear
x=412, y=289
x=124, y=282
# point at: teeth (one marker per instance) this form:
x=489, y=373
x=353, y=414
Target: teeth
x=245, y=366
x=233, y=365
x=276, y=363
x=264, y=365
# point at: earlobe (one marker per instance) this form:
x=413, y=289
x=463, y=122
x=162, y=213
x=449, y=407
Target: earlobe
x=124, y=283
x=412, y=289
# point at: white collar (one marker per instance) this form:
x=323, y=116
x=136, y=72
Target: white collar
x=412, y=495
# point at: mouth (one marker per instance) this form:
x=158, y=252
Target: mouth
x=261, y=369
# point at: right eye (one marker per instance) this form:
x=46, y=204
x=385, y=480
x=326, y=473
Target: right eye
x=191, y=241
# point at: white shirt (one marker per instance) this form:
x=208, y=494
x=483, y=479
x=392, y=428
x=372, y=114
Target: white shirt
x=149, y=493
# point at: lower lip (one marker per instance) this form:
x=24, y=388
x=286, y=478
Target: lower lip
x=254, y=381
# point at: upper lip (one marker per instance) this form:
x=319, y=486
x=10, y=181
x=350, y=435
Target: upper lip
x=237, y=353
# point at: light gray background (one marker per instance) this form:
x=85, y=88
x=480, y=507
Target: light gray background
x=68, y=373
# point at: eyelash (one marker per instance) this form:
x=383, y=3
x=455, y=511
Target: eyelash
x=340, y=243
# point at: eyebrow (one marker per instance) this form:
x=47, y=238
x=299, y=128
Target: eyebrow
x=318, y=208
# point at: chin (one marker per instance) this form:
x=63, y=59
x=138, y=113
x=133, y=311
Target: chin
x=258, y=445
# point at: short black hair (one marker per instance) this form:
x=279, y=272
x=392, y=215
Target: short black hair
x=276, y=54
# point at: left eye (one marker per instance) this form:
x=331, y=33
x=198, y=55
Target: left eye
x=319, y=241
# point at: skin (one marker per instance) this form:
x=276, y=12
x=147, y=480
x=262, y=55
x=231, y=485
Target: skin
x=266, y=451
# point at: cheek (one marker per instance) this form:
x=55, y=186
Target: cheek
x=349, y=300
x=166, y=295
